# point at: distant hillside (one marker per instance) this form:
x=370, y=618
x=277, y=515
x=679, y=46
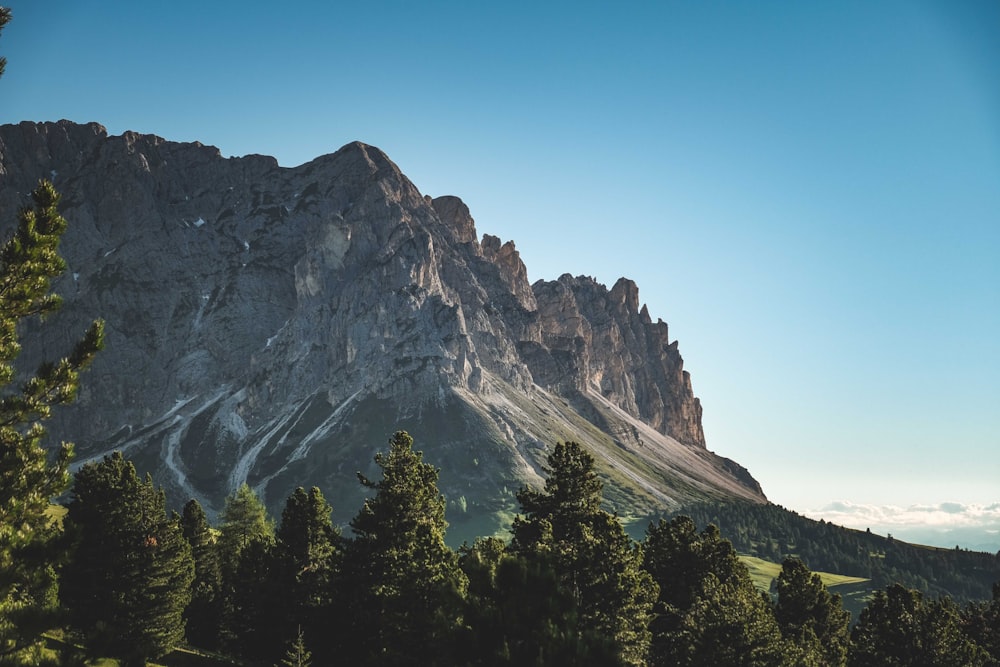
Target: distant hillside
x=772, y=533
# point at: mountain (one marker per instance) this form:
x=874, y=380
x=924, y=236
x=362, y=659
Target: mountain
x=276, y=325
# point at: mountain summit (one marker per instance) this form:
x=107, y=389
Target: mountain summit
x=275, y=325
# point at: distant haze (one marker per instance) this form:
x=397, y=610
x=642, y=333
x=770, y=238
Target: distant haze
x=975, y=527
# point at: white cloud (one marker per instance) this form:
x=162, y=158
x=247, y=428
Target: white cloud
x=946, y=524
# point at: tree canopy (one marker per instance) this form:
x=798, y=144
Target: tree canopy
x=128, y=581
x=401, y=580
x=30, y=475
x=809, y=616
x=708, y=611
x=564, y=527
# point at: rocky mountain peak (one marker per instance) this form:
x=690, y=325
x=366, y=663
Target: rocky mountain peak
x=626, y=294
x=275, y=325
x=513, y=272
x=455, y=215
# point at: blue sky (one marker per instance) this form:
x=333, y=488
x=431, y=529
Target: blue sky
x=808, y=193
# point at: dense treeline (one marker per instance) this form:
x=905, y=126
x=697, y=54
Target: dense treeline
x=774, y=533
x=569, y=587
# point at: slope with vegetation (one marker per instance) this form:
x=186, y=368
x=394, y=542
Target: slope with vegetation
x=568, y=587
x=772, y=533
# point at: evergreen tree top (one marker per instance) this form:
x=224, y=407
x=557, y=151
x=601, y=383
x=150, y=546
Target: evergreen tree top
x=406, y=496
x=572, y=488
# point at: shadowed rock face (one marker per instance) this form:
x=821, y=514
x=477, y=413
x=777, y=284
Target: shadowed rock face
x=276, y=325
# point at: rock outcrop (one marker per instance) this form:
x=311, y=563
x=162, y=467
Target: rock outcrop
x=275, y=325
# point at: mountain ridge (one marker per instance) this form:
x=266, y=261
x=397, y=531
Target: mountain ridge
x=275, y=324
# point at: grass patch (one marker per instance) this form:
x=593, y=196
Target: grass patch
x=763, y=572
x=854, y=592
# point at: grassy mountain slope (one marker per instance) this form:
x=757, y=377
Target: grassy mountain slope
x=772, y=533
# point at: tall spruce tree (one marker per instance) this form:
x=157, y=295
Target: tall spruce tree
x=244, y=519
x=810, y=617
x=310, y=554
x=257, y=620
x=128, y=579
x=29, y=476
x=592, y=555
x=203, y=617
x=250, y=577
x=402, y=583
x=297, y=655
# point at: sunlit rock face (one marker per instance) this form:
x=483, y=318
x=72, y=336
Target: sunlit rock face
x=276, y=325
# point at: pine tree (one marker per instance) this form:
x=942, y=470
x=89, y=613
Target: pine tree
x=306, y=536
x=518, y=613
x=244, y=519
x=708, y=611
x=402, y=583
x=899, y=627
x=246, y=557
x=595, y=560
x=278, y=585
x=809, y=616
x=128, y=579
x=257, y=618
x=4, y=20
x=203, y=616
x=29, y=476
x=298, y=655
x=310, y=554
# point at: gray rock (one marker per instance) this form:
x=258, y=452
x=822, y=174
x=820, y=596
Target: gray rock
x=276, y=325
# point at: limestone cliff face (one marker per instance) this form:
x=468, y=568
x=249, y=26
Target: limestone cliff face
x=276, y=325
x=607, y=344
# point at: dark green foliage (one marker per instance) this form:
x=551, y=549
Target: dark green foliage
x=29, y=476
x=809, y=617
x=517, y=613
x=297, y=655
x=244, y=519
x=774, y=533
x=981, y=623
x=250, y=576
x=257, y=622
x=708, y=611
x=4, y=19
x=563, y=528
x=570, y=589
x=310, y=554
x=401, y=582
x=900, y=627
x=306, y=534
x=129, y=577
x=203, y=617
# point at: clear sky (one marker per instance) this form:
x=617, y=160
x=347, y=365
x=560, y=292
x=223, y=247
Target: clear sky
x=807, y=192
